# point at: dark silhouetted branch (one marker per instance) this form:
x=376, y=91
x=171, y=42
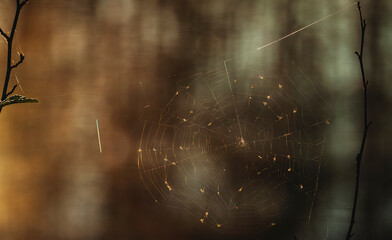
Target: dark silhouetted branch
x=366, y=123
x=10, y=38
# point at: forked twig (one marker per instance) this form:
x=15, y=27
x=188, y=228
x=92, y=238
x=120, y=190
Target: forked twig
x=366, y=123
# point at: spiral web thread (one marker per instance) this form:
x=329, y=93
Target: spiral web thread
x=236, y=146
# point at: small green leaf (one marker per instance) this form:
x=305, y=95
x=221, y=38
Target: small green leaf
x=17, y=99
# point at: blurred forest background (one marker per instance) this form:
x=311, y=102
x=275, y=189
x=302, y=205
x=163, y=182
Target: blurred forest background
x=84, y=61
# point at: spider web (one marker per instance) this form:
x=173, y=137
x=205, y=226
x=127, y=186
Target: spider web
x=236, y=145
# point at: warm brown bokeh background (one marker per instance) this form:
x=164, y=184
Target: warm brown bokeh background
x=84, y=61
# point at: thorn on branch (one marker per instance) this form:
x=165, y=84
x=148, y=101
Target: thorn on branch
x=13, y=89
x=22, y=57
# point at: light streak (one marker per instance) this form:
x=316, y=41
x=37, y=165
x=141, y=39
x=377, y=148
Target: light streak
x=305, y=27
x=99, y=137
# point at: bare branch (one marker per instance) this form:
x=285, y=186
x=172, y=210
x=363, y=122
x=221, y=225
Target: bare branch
x=366, y=123
x=10, y=38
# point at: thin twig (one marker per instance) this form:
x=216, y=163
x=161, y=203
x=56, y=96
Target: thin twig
x=13, y=89
x=20, y=61
x=10, y=38
x=23, y=2
x=4, y=34
x=366, y=123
